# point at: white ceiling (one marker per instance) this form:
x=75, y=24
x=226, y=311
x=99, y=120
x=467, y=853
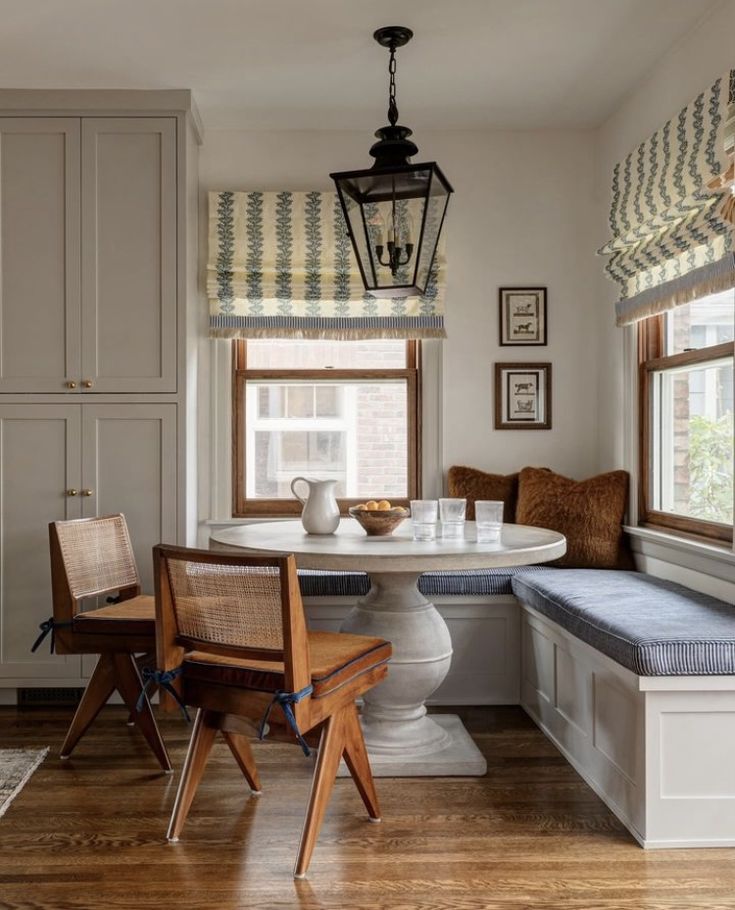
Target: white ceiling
x=312, y=64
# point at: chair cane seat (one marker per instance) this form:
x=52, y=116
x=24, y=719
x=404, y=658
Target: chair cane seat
x=136, y=616
x=336, y=659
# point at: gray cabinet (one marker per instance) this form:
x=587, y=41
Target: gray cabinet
x=40, y=463
x=88, y=254
x=40, y=340
x=74, y=461
x=98, y=226
x=129, y=254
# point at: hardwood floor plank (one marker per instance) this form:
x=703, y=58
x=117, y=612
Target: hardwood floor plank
x=90, y=833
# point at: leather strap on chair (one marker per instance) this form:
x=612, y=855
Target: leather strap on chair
x=48, y=625
x=286, y=700
x=163, y=679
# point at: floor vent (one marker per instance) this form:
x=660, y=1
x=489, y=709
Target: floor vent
x=48, y=697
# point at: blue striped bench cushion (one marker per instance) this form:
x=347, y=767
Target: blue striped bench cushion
x=651, y=626
x=317, y=583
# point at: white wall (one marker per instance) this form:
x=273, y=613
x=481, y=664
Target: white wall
x=689, y=67
x=523, y=213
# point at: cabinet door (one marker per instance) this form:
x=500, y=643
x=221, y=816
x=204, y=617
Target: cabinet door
x=39, y=254
x=129, y=254
x=129, y=466
x=40, y=460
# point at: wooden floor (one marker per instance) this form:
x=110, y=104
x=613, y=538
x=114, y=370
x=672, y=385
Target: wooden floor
x=89, y=833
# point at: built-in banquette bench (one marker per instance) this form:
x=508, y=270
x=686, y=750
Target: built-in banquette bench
x=631, y=676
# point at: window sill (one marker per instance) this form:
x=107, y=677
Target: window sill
x=715, y=560
x=719, y=551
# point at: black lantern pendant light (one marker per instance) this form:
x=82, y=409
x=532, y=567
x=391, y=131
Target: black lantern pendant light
x=395, y=209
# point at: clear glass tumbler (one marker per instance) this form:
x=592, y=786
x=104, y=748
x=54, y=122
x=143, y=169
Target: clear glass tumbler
x=452, y=512
x=424, y=515
x=488, y=520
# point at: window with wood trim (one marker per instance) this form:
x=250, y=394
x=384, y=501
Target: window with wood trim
x=686, y=418
x=341, y=410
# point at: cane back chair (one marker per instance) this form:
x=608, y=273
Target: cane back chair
x=92, y=557
x=232, y=628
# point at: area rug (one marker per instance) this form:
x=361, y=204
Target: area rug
x=16, y=769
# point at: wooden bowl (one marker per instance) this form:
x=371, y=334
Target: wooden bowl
x=378, y=523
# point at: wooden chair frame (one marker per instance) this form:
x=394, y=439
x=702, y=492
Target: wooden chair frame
x=235, y=711
x=117, y=666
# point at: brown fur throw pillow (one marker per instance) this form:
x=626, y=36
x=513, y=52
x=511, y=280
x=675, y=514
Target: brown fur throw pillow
x=589, y=513
x=471, y=484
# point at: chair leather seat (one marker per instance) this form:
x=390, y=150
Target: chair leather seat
x=136, y=616
x=336, y=658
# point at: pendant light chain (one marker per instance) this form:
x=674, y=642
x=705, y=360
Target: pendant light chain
x=392, y=106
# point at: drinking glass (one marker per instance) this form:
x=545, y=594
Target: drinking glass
x=423, y=514
x=488, y=520
x=451, y=512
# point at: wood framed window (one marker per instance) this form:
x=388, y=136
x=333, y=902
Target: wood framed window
x=686, y=418
x=342, y=410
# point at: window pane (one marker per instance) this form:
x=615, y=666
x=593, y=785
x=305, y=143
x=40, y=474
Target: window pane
x=272, y=354
x=300, y=401
x=702, y=323
x=281, y=455
x=271, y=401
x=693, y=441
x=353, y=432
x=328, y=400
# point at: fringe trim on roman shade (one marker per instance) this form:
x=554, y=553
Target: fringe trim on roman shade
x=281, y=265
x=673, y=212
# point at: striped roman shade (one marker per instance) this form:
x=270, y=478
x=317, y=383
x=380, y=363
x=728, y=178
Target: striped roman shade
x=281, y=265
x=672, y=211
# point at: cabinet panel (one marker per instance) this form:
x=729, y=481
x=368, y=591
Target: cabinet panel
x=129, y=464
x=39, y=253
x=40, y=458
x=129, y=254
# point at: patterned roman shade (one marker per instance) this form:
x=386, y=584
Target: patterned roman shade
x=281, y=265
x=672, y=211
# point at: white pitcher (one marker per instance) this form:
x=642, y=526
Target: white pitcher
x=320, y=514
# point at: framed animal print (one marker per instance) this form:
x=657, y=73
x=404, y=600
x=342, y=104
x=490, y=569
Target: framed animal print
x=522, y=396
x=522, y=316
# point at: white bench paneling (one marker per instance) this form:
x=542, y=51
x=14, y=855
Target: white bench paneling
x=659, y=751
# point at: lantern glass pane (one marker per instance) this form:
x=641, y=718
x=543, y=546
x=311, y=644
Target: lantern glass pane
x=400, y=224
x=357, y=227
x=435, y=207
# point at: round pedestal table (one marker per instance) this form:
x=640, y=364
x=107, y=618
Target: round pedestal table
x=403, y=741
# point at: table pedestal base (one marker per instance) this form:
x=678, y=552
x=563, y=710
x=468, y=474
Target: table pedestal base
x=401, y=739
x=458, y=757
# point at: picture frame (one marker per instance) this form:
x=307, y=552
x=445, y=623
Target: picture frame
x=522, y=396
x=523, y=321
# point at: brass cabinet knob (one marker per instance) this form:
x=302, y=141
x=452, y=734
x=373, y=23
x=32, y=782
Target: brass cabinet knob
x=87, y=492
x=71, y=384
x=87, y=383
x=71, y=492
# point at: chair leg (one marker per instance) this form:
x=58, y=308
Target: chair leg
x=130, y=685
x=240, y=748
x=357, y=761
x=200, y=745
x=331, y=746
x=99, y=688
